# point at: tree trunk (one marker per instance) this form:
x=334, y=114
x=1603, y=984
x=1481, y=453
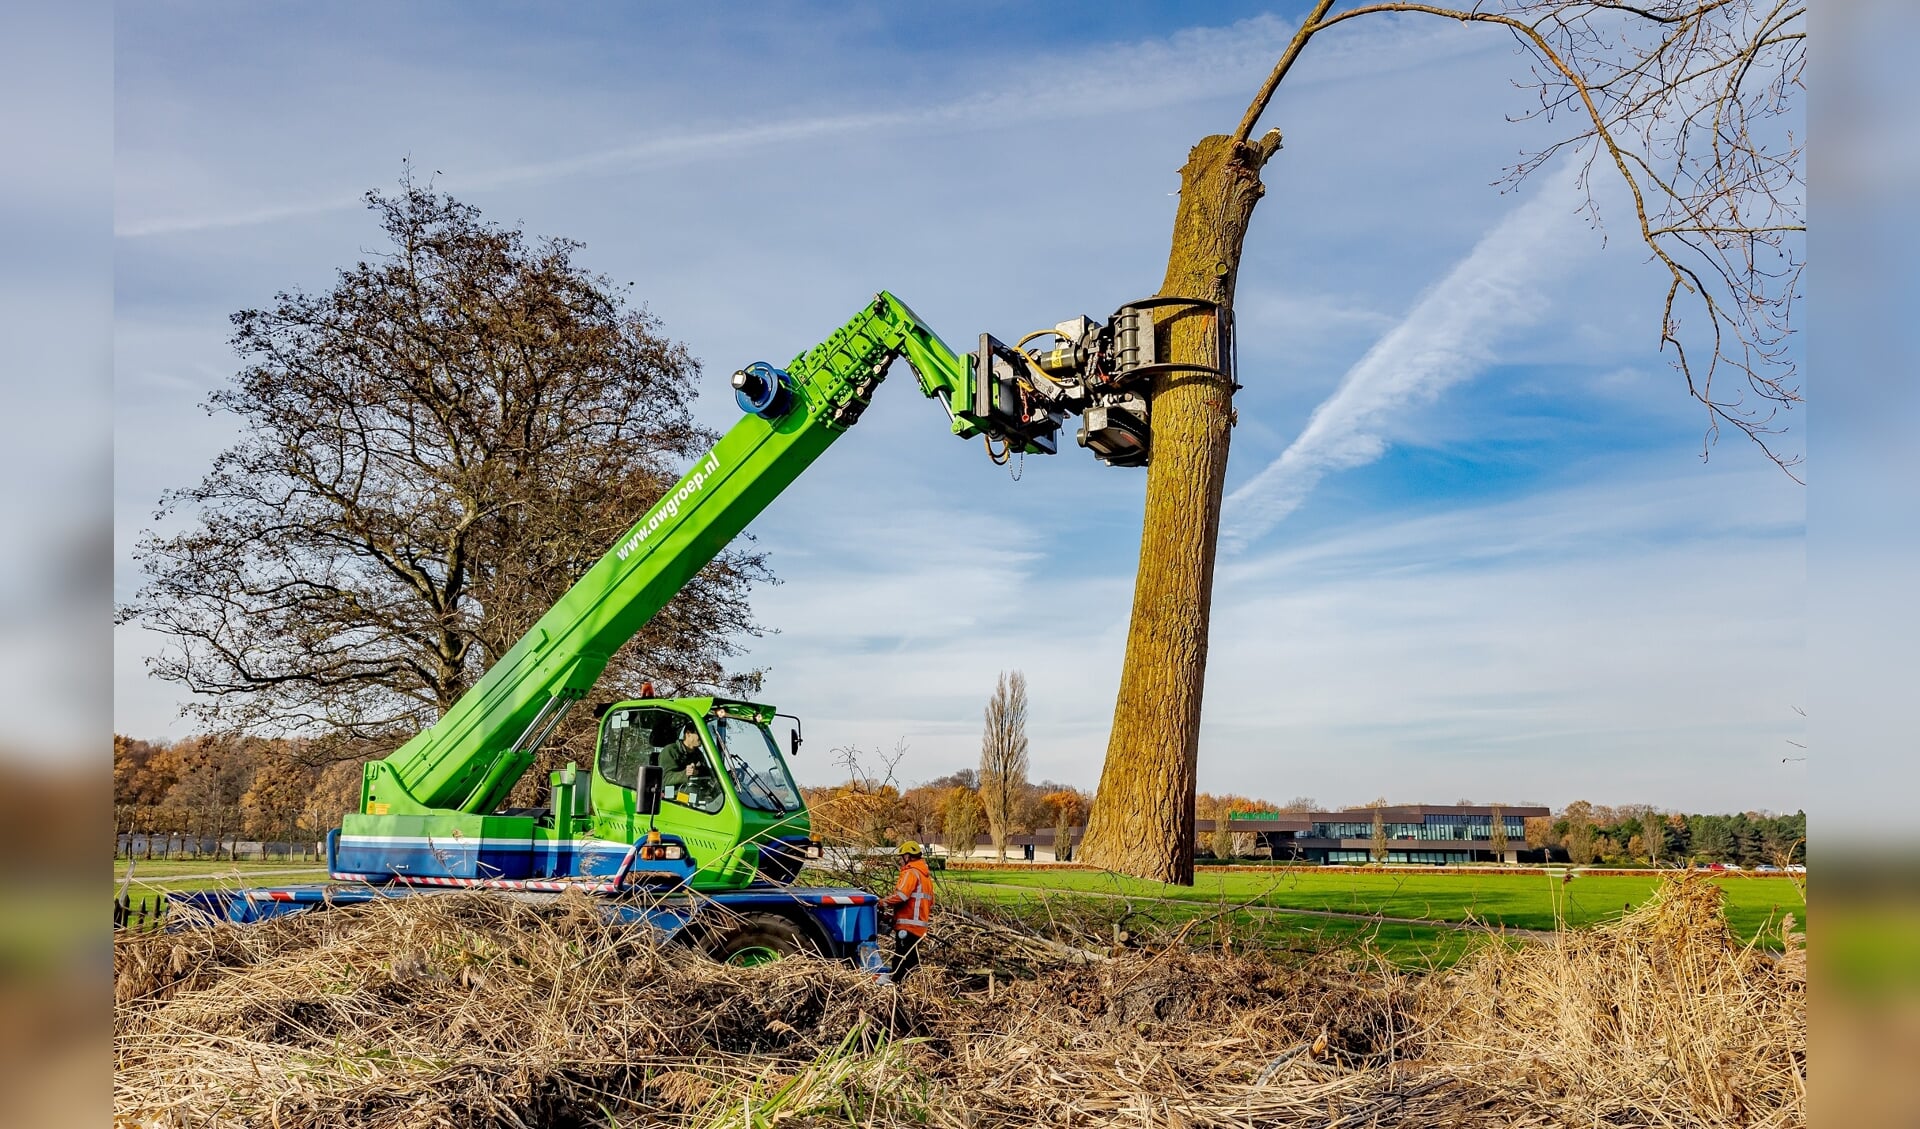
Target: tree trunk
x=1143, y=819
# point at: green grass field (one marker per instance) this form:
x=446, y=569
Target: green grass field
x=1532, y=902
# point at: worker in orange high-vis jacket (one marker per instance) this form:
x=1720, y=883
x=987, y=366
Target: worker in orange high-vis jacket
x=914, y=899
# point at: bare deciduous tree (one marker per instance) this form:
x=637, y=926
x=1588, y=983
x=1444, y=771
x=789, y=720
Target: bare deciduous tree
x=866, y=810
x=432, y=452
x=1684, y=101
x=1497, y=833
x=1003, y=757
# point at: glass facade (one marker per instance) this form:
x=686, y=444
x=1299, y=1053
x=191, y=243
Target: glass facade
x=1465, y=828
x=1435, y=858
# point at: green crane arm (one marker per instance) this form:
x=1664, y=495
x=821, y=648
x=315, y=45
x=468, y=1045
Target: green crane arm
x=471, y=758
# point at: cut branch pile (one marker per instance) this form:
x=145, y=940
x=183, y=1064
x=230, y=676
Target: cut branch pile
x=476, y=1010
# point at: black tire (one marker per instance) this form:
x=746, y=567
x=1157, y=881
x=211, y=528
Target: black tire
x=757, y=938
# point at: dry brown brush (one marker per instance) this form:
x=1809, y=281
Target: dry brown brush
x=1660, y=1018
x=475, y=1010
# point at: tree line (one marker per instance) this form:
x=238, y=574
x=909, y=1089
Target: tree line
x=203, y=793
x=872, y=811
x=1644, y=835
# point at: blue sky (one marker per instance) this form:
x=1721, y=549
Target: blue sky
x=56, y=319
x=1471, y=547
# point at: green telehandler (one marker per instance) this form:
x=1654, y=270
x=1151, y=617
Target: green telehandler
x=689, y=817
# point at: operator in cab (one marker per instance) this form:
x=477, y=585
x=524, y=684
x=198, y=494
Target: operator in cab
x=914, y=899
x=685, y=765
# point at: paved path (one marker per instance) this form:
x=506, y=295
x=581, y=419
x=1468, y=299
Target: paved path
x=140, y=879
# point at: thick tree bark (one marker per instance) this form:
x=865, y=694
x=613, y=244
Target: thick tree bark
x=1143, y=819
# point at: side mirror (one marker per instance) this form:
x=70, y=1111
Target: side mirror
x=646, y=799
x=793, y=738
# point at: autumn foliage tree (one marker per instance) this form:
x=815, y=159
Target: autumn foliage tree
x=1064, y=805
x=429, y=453
x=1539, y=832
x=960, y=823
x=1681, y=100
x=1582, y=845
x=1068, y=808
x=143, y=771
x=1222, y=844
x=277, y=797
x=215, y=772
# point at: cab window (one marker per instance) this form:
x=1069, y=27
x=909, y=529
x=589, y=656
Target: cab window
x=631, y=738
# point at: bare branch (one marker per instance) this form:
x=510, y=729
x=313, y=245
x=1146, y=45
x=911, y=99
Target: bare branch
x=1259, y=106
x=1684, y=98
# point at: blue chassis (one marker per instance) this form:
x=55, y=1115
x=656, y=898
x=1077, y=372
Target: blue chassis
x=843, y=920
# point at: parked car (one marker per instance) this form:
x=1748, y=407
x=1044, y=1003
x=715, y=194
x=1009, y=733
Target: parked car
x=1766, y=868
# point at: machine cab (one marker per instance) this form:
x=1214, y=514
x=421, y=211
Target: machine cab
x=725, y=788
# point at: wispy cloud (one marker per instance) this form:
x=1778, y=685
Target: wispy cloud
x=650, y=151
x=1449, y=336
x=1188, y=66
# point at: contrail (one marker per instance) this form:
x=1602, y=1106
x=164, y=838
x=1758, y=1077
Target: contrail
x=1447, y=338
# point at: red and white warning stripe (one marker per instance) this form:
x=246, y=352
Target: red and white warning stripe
x=484, y=883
